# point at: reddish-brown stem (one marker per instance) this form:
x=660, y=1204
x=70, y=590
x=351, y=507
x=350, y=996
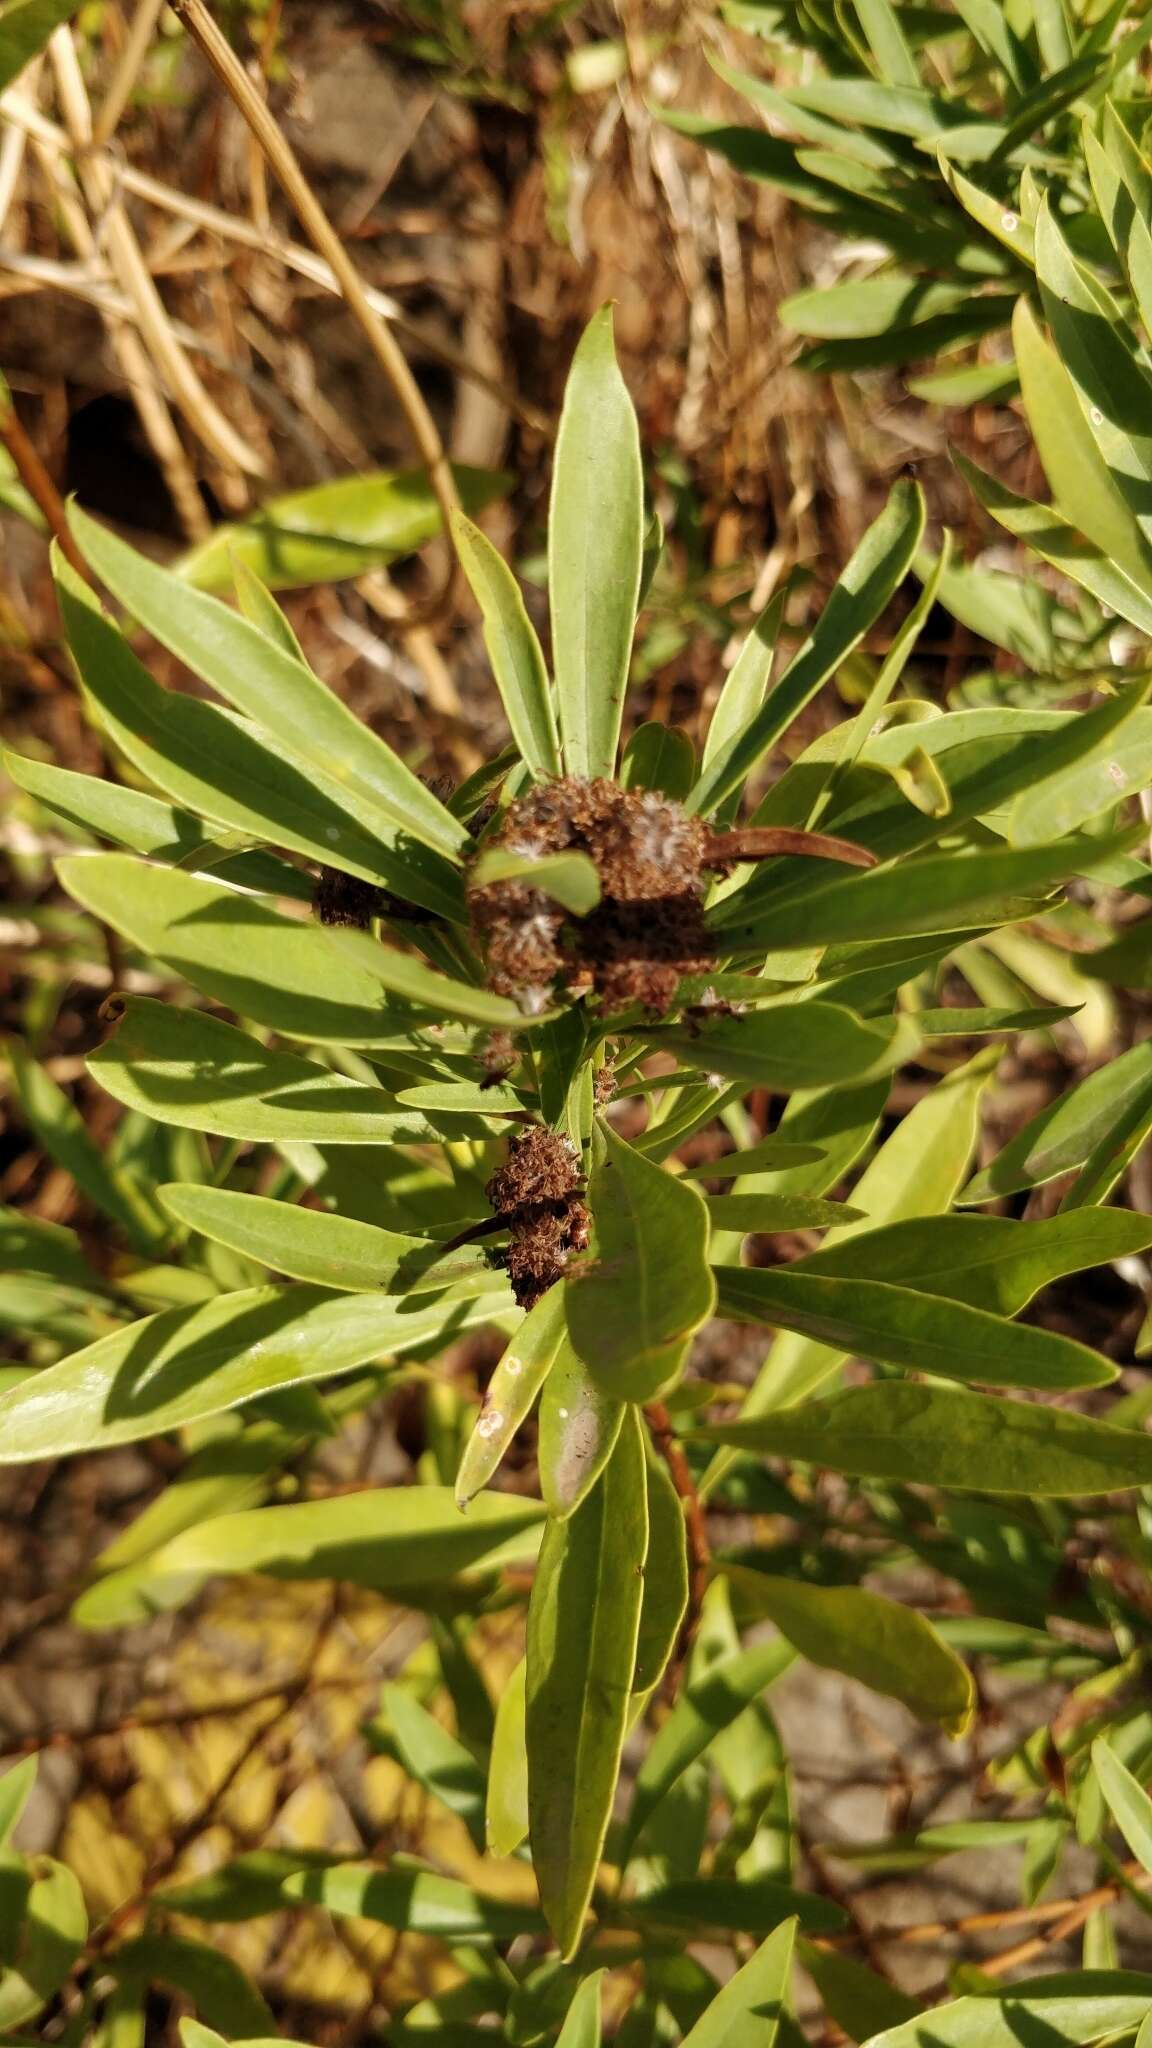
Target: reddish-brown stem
x=768, y=842
x=38, y=483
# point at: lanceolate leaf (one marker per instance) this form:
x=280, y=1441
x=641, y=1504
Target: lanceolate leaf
x=317, y=1245
x=513, y=649
x=414, y=1901
x=1071, y=1128
x=1072, y=2010
x=579, y=1424
x=707, y=1705
x=795, y=1045
x=569, y=878
x=747, y=2012
x=884, y=1644
x=595, y=546
x=307, y=721
x=583, y=1621
x=993, y=1262
x=515, y=1383
x=222, y=768
x=392, y=1539
x=1127, y=1801
x=506, y=1808
x=25, y=26
x=633, y=1310
x=184, y=1364
x=665, y=1579
x=875, y=571
x=581, y=2029
x=929, y=1436
x=899, y=1326
x=184, y=1068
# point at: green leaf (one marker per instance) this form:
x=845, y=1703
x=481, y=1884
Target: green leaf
x=392, y=1539
x=513, y=649
x=869, y=305
x=633, y=1310
x=743, y=690
x=885, y=1645
x=930, y=894
x=222, y=769
x=308, y=722
x=776, y=1152
x=334, y=530
x=430, y=1755
x=25, y=26
x=53, y=1933
x=794, y=1045
x=217, y=1986
x=245, y=1888
x=197, y=1072
x=993, y=1262
x=511, y=1391
x=1083, y=2006
x=403, y=975
x=570, y=878
x=317, y=1245
x=579, y=1425
x=880, y=22
x=506, y=1808
x=414, y=1901
x=665, y=1579
x=1127, y=1801
x=1077, y=473
x=957, y=1023
x=746, y=2013
x=187, y=1363
x=875, y=571
x=595, y=546
x=735, y=1905
x=15, y=1791
x=581, y=2029
x=706, y=1706
x=854, y=1996
x=258, y=605
x=660, y=757
x=149, y=826
x=1048, y=533
x=292, y=976
x=762, y=1214
x=927, y=1436
x=583, y=1622
x=898, y=1326
x=63, y=1134
x=1069, y=1130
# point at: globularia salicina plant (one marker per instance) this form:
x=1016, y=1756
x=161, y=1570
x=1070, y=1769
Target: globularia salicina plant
x=557, y=1056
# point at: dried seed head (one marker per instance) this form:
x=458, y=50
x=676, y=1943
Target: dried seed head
x=340, y=899
x=537, y=1195
x=648, y=929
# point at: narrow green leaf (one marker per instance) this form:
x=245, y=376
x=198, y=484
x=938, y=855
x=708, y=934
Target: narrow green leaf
x=1066, y=1133
x=197, y=1072
x=875, y=571
x=309, y=723
x=769, y=1154
x=583, y=1621
x=659, y=757
x=761, y=1214
x=220, y=768
x=414, y=1901
x=735, y=1906
x=1050, y=535
x=887, y=1646
x=513, y=649
x=581, y=2029
x=708, y=1704
x=403, y=975
x=571, y=878
x=595, y=547
x=795, y=1045
x=993, y=1262
x=258, y=605
x=898, y=1326
x=1126, y=1799
x=579, y=1425
x=1072, y=2010
x=245, y=1888
x=746, y=2013
x=929, y=1436
x=147, y=825
x=887, y=42
x=63, y=1134
x=853, y=1995
x=744, y=687
x=15, y=1791
x=506, y=1809
x=216, y=1985
x=187, y=1363
x=317, y=1245
x=430, y=1755
x=665, y=1579
x=337, y=529
x=633, y=1310
x=511, y=1391
x=392, y=1539
x=25, y=26
x=53, y=1933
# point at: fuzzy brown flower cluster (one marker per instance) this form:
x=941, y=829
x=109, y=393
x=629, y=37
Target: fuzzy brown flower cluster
x=539, y=1196
x=648, y=929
